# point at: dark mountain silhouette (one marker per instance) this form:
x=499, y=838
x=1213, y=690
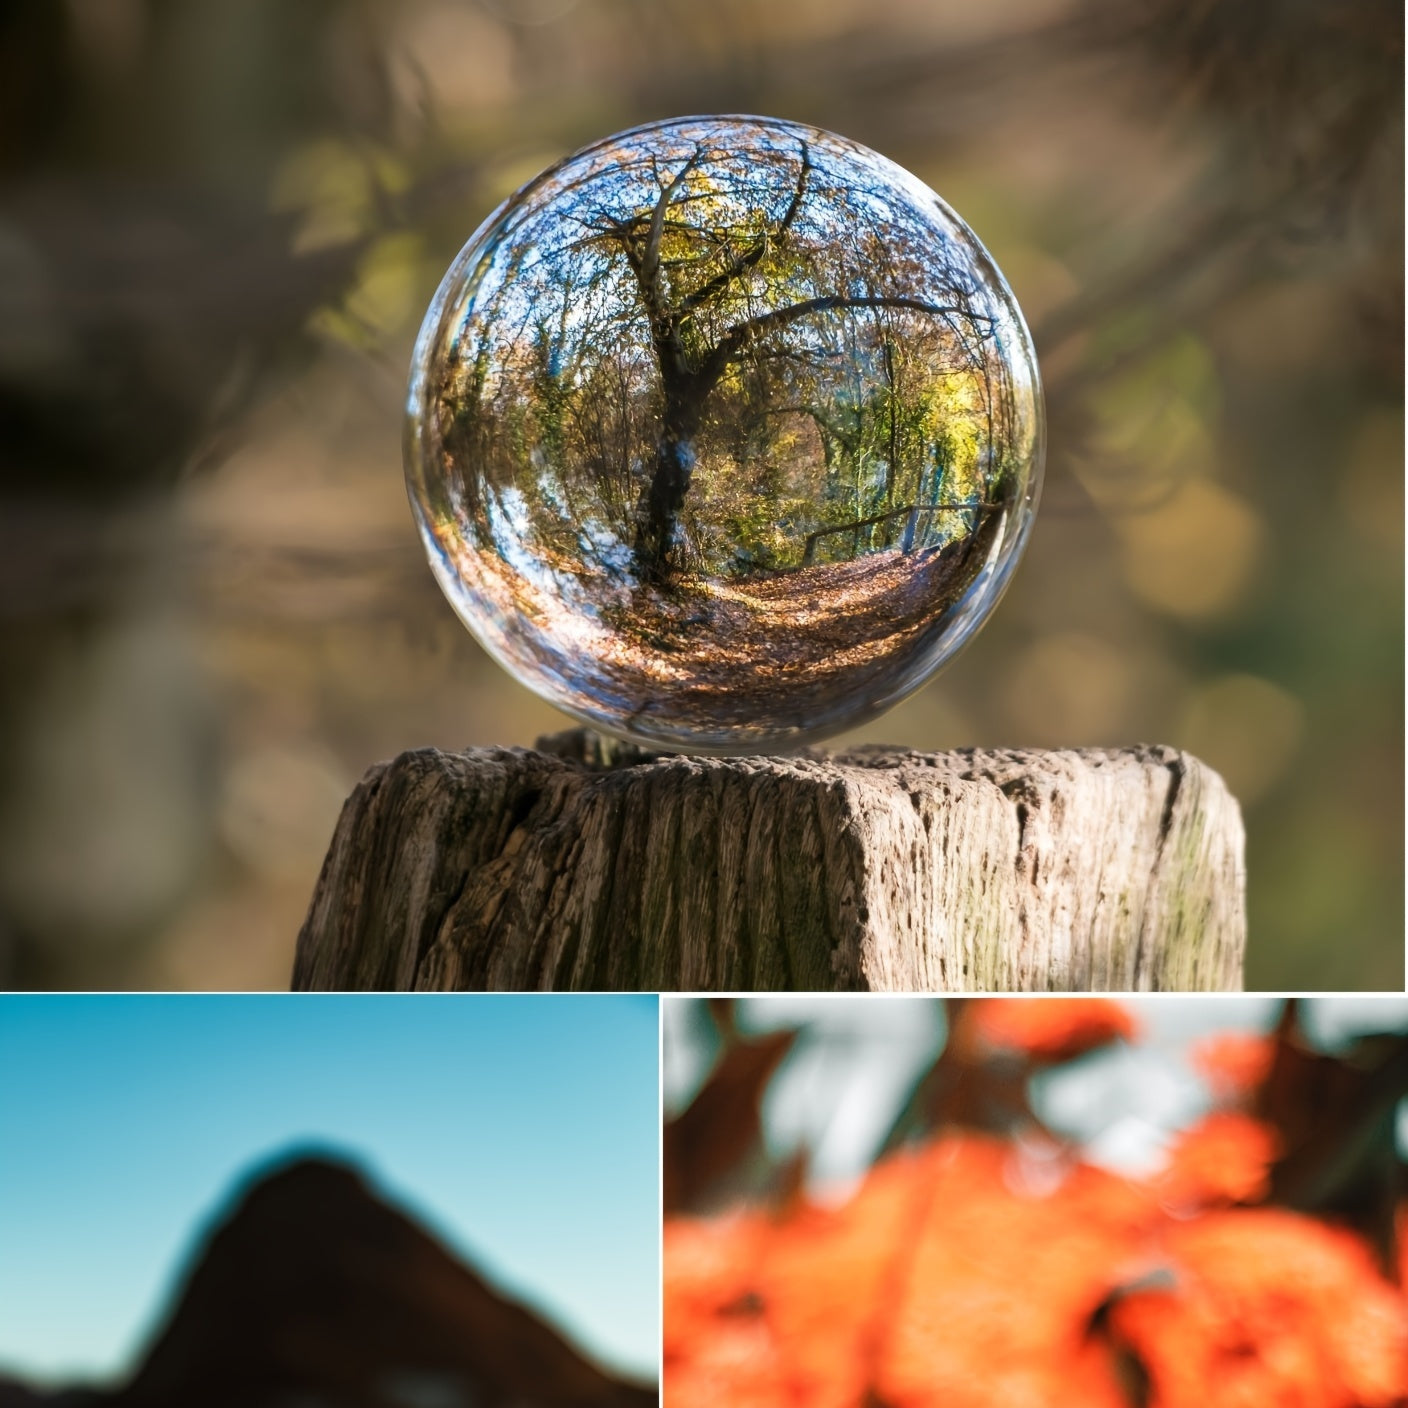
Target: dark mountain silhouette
x=314, y=1293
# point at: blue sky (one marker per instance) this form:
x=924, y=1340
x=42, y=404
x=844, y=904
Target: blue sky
x=523, y=1129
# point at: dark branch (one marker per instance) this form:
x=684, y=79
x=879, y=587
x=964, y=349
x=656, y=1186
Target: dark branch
x=757, y=250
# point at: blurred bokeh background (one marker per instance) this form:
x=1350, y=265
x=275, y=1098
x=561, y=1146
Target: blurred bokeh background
x=975, y=1200
x=810, y=1092
x=220, y=221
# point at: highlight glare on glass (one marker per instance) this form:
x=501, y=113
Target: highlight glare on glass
x=724, y=434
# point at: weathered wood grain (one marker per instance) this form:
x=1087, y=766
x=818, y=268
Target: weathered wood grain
x=588, y=864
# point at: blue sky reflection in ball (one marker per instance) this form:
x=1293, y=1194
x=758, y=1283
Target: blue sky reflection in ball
x=724, y=434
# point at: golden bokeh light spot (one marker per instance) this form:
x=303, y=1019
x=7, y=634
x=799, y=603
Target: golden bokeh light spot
x=1194, y=556
x=1069, y=688
x=332, y=185
x=463, y=56
x=388, y=282
x=1247, y=728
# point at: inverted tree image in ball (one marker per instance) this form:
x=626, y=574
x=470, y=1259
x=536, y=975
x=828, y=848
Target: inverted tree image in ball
x=724, y=434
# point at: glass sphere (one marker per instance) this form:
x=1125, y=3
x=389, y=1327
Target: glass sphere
x=724, y=434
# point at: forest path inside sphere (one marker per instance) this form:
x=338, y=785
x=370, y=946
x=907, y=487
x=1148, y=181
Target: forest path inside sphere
x=721, y=654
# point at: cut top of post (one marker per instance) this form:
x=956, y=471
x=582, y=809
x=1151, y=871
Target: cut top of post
x=587, y=864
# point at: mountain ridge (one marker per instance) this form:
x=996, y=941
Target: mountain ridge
x=313, y=1291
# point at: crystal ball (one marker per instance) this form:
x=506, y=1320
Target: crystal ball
x=724, y=434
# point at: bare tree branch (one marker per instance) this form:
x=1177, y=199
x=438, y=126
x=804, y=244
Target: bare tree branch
x=650, y=259
x=759, y=248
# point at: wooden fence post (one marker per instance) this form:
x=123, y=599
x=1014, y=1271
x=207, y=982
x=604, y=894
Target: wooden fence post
x=590, y=864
